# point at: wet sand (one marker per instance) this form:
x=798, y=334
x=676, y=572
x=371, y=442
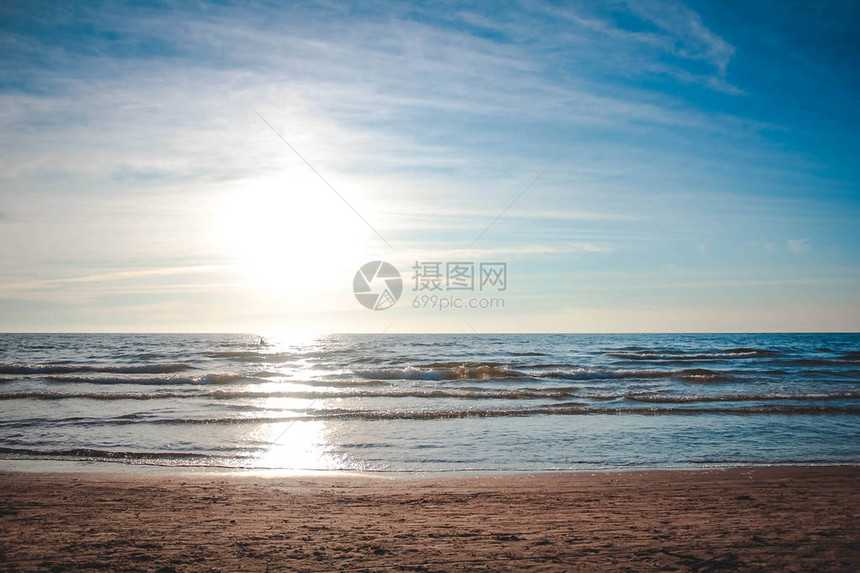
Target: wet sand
x=746, y=519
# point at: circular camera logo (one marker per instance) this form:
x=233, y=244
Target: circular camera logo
x=377, y=285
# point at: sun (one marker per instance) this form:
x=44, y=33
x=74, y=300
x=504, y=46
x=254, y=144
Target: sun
x=290, y=236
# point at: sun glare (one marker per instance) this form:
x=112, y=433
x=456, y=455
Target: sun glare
x=285, y=239
x=299, y=445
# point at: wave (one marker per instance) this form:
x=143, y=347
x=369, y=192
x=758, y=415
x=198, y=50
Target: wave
x=368, y=360
x=212, y=378
x=95, y=453
x=851, y=356
x=495, y=371
x=204, y=379
x=228, y=395
x=821, y=362
x=751, y=352
x=689, y=374
x=686, y=356
x=442, y=371
x=564, y=409
x=253, y=356
x=657, y=399
x=473, y=394
x=700, y=375
x=249, y=460
x=265, y=374
x=567, y=410
x=341, y=383
x=131, y=457
x=70, y=368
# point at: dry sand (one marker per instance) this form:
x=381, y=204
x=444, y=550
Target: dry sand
x=771, y=519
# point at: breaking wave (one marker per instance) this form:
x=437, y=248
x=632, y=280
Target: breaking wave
x=71, y=368
x=213, y=378
x=564, y=409
x=443, y=371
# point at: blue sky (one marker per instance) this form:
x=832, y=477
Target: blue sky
x=707, y=181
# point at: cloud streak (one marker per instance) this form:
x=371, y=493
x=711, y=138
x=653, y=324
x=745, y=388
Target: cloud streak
x=110, y=277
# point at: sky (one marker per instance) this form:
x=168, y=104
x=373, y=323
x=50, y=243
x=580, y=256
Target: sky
x=638, y=166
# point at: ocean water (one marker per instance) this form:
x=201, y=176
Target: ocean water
x=430, y=403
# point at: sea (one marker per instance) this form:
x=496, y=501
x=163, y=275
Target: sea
x=398, y=403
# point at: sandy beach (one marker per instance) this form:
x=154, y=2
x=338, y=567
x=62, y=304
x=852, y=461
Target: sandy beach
x=747, y=519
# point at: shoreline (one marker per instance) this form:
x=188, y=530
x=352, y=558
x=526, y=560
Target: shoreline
x=743, y=518
x=47, y=466
x=118, y=468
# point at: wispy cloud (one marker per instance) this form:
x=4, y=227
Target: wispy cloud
x=476, y=254
x=798, y=245
x=109, y=277
x=691, y=38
